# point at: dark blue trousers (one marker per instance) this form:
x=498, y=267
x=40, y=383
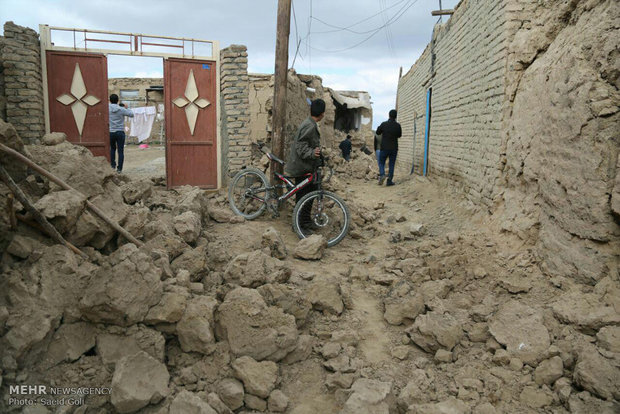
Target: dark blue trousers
x=383, y=156
x=117, y=140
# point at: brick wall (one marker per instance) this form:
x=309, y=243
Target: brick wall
x=20, y=63
x=464, y=65
x=235, y=113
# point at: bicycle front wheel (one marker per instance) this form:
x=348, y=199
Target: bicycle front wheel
x=247, y=193
x=322, y=212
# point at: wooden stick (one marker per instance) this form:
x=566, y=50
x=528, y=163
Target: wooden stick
x=37, y=226
x=10, y=209
x=40, y=218
x=65, y=186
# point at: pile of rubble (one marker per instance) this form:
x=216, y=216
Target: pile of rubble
x=194, y=318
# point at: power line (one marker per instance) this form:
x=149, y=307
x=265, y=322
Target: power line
x=297, y=39
x=308, y=44
x=388, y=30
x=348, y=28
x=393, y=19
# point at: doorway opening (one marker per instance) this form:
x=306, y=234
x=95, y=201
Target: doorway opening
x=139, y=83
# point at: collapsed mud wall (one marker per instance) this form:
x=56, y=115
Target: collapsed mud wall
x=463, y=67
x=561, y=124
x=21, y=84
x=524, y=117
x=301, y=88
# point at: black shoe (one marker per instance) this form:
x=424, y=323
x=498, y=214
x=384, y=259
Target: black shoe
x=389, y=184
x=381, y=179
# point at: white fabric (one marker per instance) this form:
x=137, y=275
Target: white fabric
x=142, y=122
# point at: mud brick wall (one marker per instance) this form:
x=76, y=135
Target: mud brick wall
x=464, y=65
x=561, y=171
x=235, y=111
x=22, y=85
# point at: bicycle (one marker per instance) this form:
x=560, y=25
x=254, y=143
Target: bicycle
x=250, y=194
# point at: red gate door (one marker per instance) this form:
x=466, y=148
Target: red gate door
x=190, y=92
x=78, y=98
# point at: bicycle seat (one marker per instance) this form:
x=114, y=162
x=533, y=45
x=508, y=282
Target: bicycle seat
x=274, y=158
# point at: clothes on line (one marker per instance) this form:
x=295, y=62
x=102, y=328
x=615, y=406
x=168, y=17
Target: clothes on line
x=142, y=122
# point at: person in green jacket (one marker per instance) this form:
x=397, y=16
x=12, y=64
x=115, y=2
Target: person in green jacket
x=305, y=154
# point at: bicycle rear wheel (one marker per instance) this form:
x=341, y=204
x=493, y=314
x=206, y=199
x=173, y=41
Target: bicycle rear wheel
x=328, y=216
x=247, y=193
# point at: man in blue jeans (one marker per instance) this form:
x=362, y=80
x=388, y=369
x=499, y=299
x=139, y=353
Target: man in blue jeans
x=117, y=131
x=390, y=131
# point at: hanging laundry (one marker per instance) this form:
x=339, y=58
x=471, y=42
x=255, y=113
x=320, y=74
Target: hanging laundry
x=142, y=122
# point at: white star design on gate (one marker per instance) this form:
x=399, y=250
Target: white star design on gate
x=192, y=104
x=78, y=105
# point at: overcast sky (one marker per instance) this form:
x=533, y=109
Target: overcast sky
x=379, y=37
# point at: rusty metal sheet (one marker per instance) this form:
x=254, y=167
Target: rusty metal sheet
x=190, y=93
x=78, y=99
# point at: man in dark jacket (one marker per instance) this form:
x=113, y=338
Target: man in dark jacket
x=345, y=147
x=305, y=154
x=390, y=131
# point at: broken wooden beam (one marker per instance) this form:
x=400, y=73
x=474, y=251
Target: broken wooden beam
x=443, y=12
x=65, y=186
x=36, y=214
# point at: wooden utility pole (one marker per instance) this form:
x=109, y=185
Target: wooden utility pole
x=280, y=81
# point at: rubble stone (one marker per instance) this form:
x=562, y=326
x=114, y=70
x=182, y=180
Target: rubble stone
x=548, y=371
x=451, y=406
x=418, y=389
x=255, y=403
x=122, y=291
x=231, y=392
x=597, y=374
x=278, y=401
x=400, y=309
x=139, y=380
x=69, y=342
x=609, y=338
x=112, y=347
x=137, y=190
x=22, y=246
x=61, y=208
x=324, y=294
x=186, y=402
x=259, y=378
x=195, y=329
x=194, y=261
x=520, y=328
x=368, y=397
x=302, y=351
x=170, y=309
x=435, y=330
x=585, y=311
x=218, y=405
x=54, y=138
x=291, y=300
x=272, y=240
x=311, y=248
x=256, y=268
x=254, y=329
x=188, y=226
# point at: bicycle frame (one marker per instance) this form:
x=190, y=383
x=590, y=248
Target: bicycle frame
x=291, y=188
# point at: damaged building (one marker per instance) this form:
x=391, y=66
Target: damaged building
x=346, y=111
